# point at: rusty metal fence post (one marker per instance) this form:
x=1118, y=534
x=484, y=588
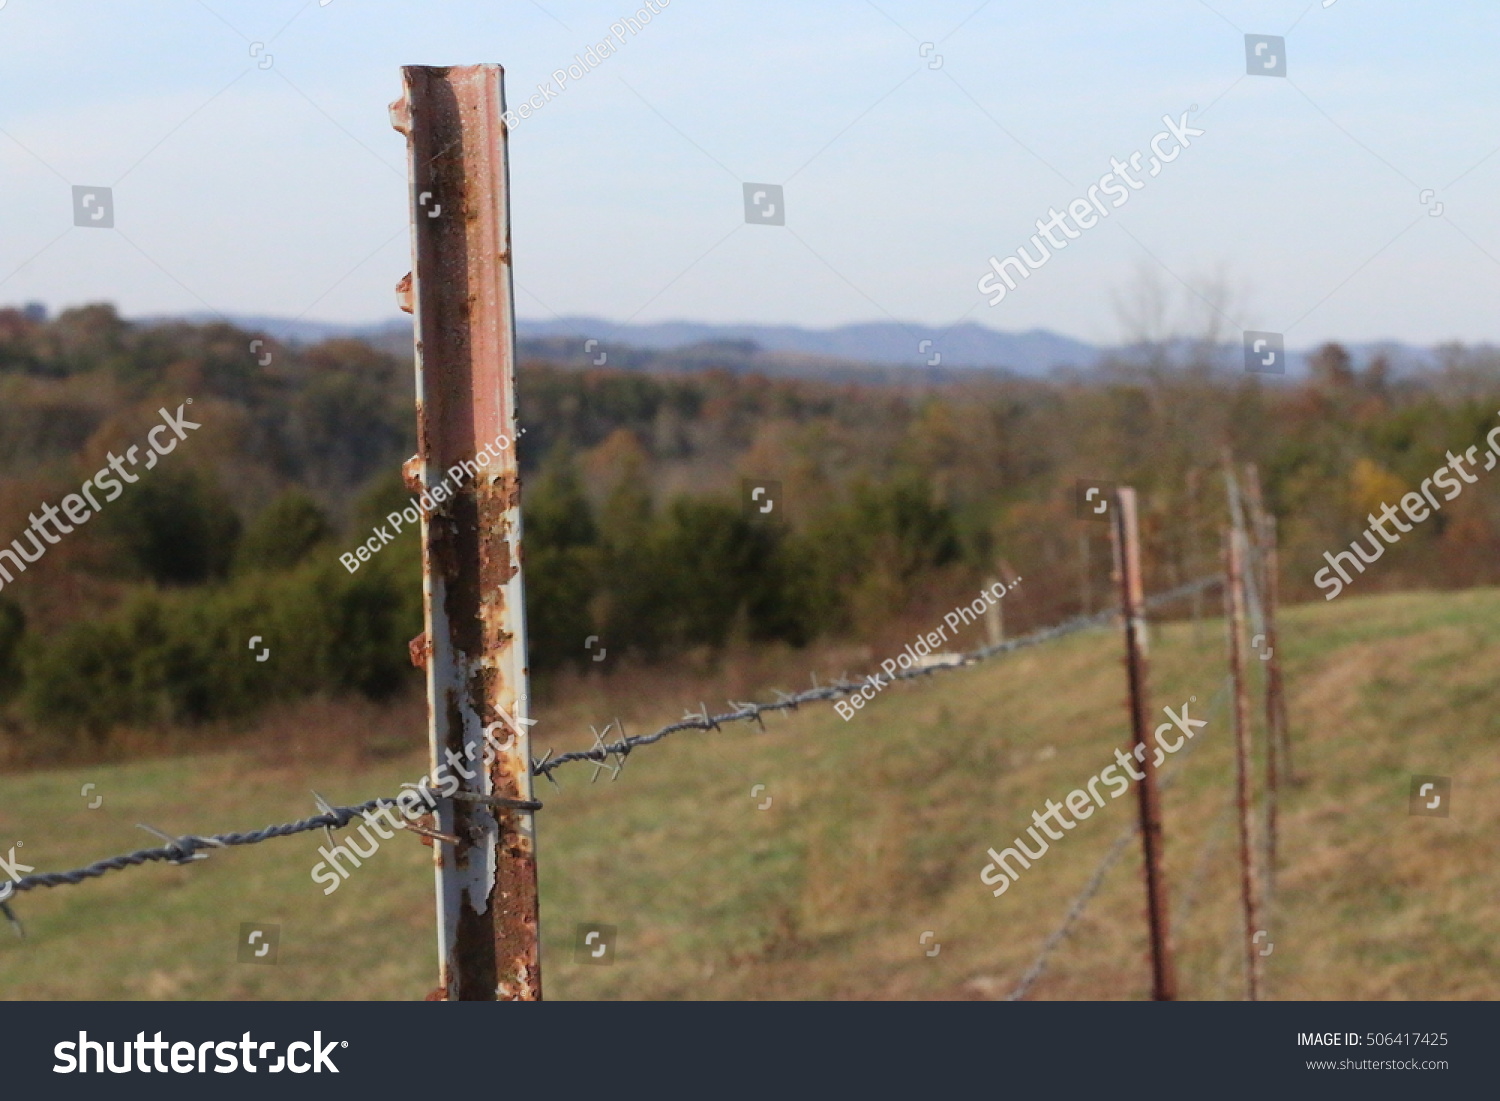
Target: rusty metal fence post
x=1270, y=588
x=1234, y=621
x=1264, y=529
x=1277, y=685
x=474, y=649
x=1127, y=551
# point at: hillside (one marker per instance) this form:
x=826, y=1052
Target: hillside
x=639, y=524
x=875, y=834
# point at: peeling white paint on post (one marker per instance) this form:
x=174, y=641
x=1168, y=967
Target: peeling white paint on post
x=474, y=650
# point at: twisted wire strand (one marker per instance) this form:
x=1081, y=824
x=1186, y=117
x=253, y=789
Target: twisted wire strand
x=1075, y=911
x=182, y=850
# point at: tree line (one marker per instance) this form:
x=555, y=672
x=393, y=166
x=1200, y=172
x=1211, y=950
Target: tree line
x=637, y=530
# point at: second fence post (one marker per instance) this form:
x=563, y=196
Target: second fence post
x=1127, y=549
x=1234, y=621
x=1264, y=530
x=465, y=470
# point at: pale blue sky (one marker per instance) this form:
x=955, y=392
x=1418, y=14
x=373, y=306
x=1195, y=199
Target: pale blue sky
x=281, y=190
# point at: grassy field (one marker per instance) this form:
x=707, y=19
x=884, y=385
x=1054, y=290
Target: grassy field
x=876, y=834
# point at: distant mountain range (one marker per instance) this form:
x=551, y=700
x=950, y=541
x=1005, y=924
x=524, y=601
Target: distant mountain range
x=885, y=343
x=884, y=350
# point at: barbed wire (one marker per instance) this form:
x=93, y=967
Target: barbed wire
x=184, y=850
x=190, y=847
x=838, y=689
x=1091, y=888
x=1075, y=911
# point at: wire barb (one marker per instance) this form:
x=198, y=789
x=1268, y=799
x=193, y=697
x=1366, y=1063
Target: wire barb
x=601, y=762
x=326, y=808
x=183, y=849
x=447, y=839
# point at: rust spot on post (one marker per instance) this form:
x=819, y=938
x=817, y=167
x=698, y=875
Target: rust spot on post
x=411, y=470
x=420, y=650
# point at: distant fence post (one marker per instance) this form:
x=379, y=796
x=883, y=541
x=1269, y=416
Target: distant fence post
x=1234, y=621
x=1085, y=582
x=1277, y=685
x=475, y=644
x=1127, y=548
x=994, y=619
x=1266, y=537
x=1194, y=546
x=1277, y=764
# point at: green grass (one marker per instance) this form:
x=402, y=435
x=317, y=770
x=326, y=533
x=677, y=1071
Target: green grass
x=876, y=833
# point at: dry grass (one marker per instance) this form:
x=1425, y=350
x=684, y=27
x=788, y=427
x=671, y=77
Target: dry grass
x=877, y=832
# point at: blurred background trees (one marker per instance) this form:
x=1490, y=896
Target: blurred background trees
x=895, y=498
